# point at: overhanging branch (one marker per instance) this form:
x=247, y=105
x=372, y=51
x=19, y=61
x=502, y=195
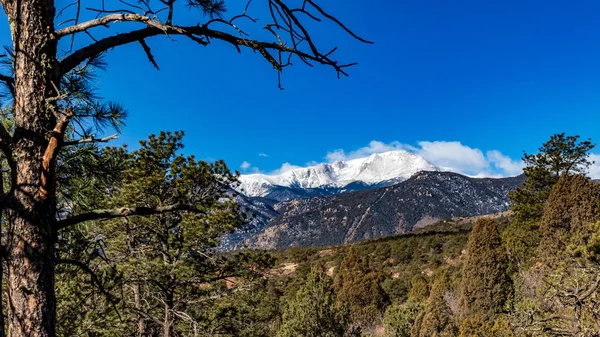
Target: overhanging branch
x=278, y=53
x=105, y=214
x=148, y=52
x=103, y=21
x=49, y=160
x=90, y=140
x=103, y=45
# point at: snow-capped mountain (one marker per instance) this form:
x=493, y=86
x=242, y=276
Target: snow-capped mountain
x=338, y=218
x=380, y=169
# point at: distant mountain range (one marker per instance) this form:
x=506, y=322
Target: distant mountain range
x=380, y=195
x=424, y=199
x=377, y=170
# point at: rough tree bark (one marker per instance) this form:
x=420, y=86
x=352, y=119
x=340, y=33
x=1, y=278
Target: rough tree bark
x=31, y=300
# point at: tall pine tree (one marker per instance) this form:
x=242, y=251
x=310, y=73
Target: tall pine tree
x=313, y=311
x=437, y=319
x=485, y=284
x=560, y=155
x=358, y=288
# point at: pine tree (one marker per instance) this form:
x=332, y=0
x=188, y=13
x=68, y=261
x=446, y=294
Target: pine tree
x=313, y=311
x=478, y=327
x=164, y=263
x=358, y=288
x=560, y=155
x=437, y=319
x=559, y=293
x=419, y=289
x=485, y=285
x=399, y=318
x=573, y=204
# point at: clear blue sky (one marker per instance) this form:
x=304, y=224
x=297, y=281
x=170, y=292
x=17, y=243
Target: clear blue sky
x=493, y=75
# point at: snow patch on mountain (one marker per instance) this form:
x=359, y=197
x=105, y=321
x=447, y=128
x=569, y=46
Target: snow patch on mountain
x=392, y=166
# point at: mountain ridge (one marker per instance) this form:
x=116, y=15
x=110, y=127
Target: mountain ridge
x=426, y=197
x=383, y=169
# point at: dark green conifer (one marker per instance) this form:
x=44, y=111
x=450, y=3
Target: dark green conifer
x=560, y=155
x=358, y=288
x=477, y=327
x=437, y=319
x=419, y=289
x=399, y=318
x=572, y=206
x=486, y=286
x=313, y=312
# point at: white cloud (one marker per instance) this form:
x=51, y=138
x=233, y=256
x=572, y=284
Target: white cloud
x=245, y=165
x=594, y=170
x=284, y=168
x=453, y=155
x=263, y=154
x=450, y=156
x=505, y=164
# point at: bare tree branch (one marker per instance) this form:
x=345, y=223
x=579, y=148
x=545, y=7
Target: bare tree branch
x=54, y=144
x=104, y=21
x=285, y=20
x=590, y=291
x=338, y=22
x=103, y=45
x=148, y=52
x=93, y=277
x=90, y=140
x=105, y=214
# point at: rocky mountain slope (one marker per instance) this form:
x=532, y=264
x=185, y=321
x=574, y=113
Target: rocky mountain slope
x=421, y=200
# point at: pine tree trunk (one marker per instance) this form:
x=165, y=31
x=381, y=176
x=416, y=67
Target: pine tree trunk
x=2, y=331
x=168, y=320
x=30, y=265
x=137, y=293
x=141, y=322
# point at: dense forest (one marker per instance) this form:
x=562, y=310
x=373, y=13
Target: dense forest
x=528, y=272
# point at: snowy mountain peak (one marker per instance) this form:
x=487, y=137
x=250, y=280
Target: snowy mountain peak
x=392, y=167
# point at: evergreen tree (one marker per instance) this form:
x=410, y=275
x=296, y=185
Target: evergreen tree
x=419, y=290
x=313, y=312
x=486, y=286
x=559, y=155
x=163, y=263
x=560, y=292
x=572, y=206
x=478, y=327
x=437, y=319
x=399, y=319
x=358, y=288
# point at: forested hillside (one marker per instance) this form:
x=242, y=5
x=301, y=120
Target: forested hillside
x=425, y=198
x=528, y=272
